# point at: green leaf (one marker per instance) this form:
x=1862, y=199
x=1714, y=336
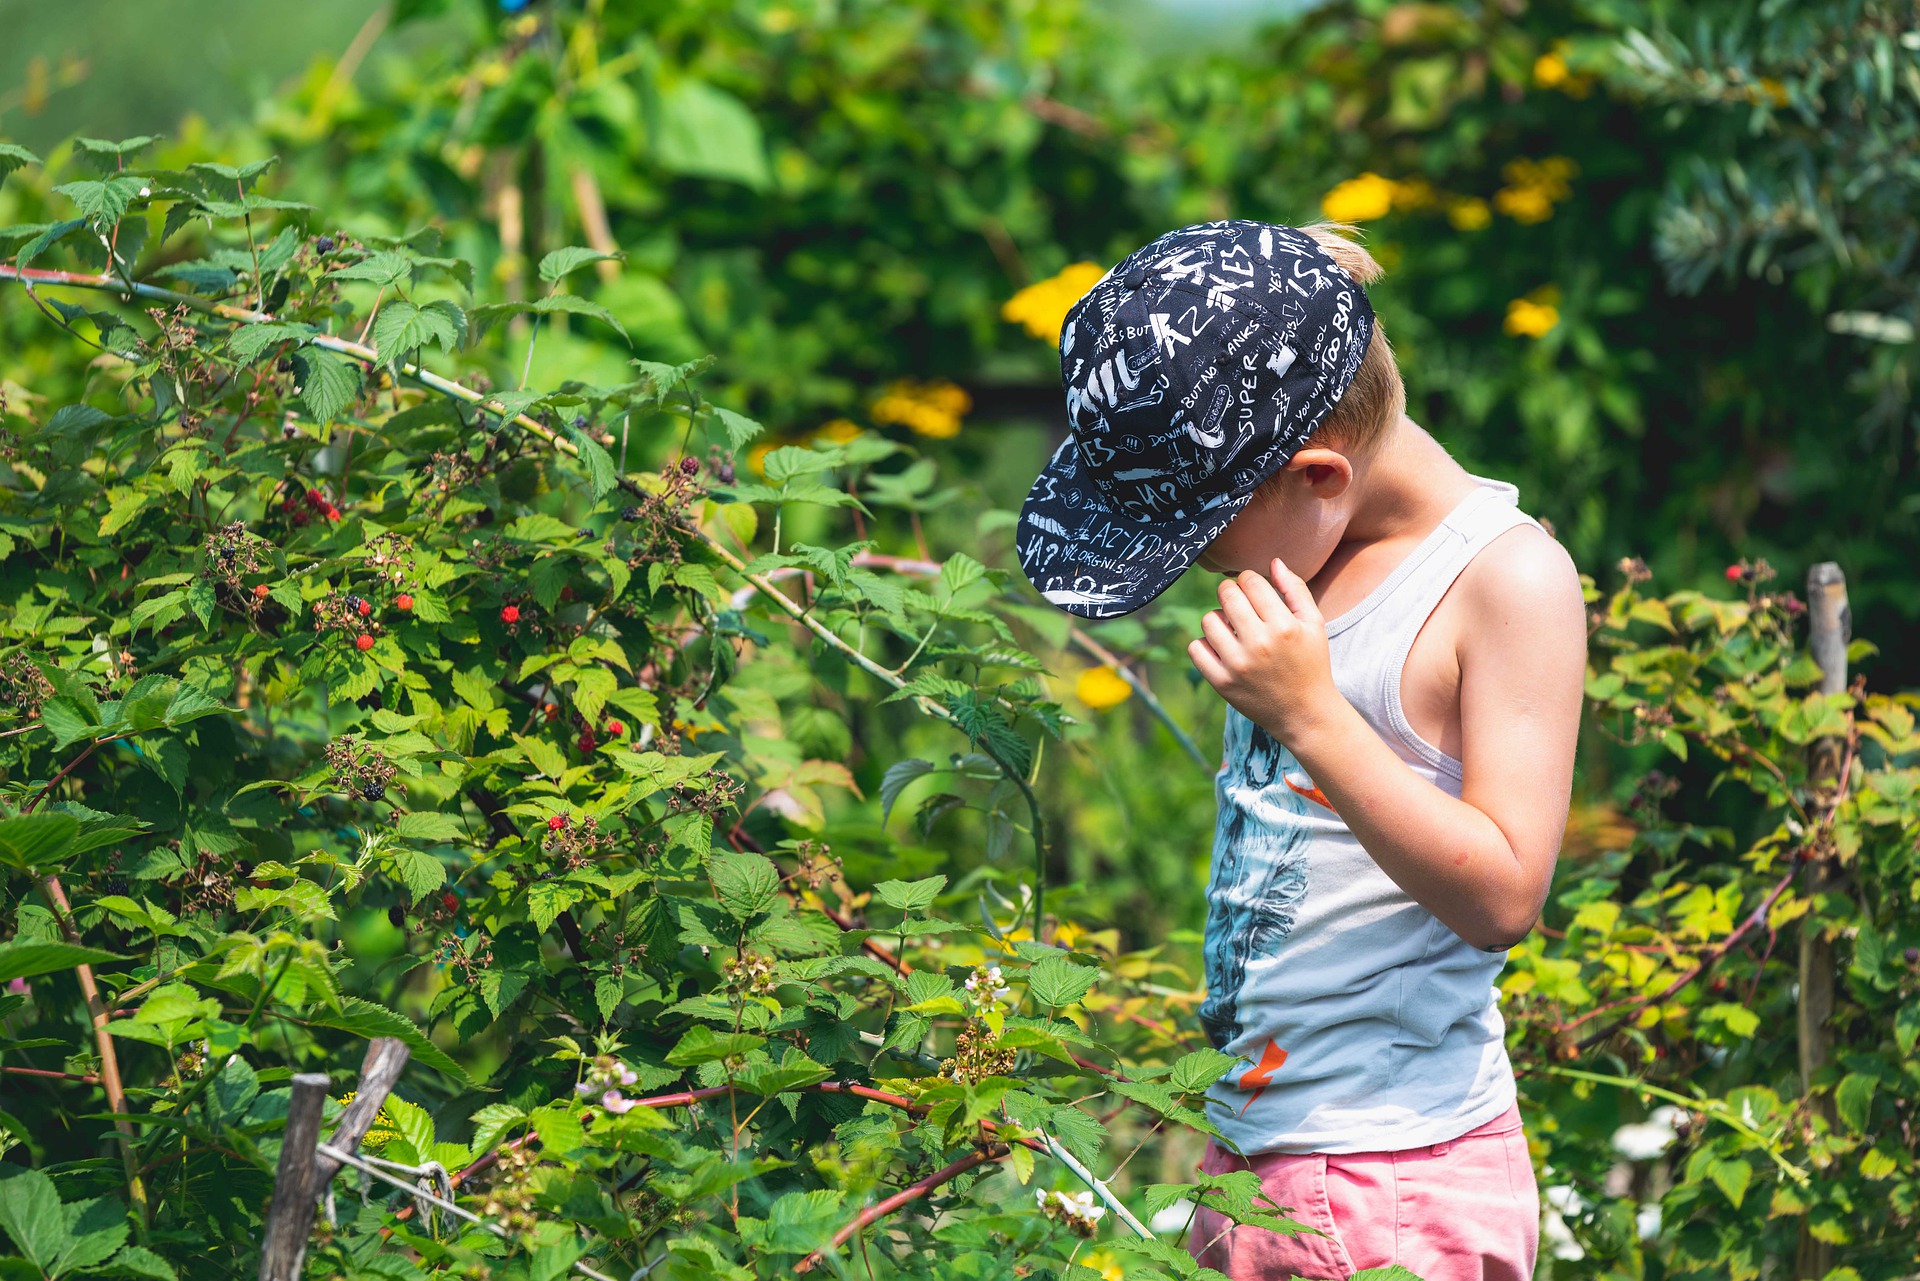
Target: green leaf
x=547, y=899
x=578, y=306
x=985, y=727
x=364, y=1018
x=601, y=473
x=802, y=1222
x=1193, y=1073
x=1732, y=1178
x=403, y=328
x=708, y=133
x=13, y=157
x=30, y=1213
x=745, y=883
x=570, y=258
x=24, y=960
x=327, y=384
x=702, y=1044
x=896, y=780
x=559, y=1129
x=413, y=1123
x=418, y=870
x=1854, y=1101
x=1055, y=981
x=138, y=1261
x=430, y=825
x=910, y=896
x=492, y=1121
x=37, y=840
x=795, y=1073
x=736, y=430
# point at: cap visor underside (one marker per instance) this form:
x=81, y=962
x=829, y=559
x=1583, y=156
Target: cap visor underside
x=1094, y=562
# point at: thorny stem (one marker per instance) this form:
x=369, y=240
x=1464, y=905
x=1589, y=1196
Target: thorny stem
x=906, y=1196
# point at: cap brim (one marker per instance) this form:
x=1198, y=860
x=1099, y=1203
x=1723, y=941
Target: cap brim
x=1095, y=562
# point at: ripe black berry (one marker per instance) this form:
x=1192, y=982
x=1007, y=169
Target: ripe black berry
x=579, y=421
x=1913, y=955
x=117, y=885
x=285, y=365
x=398, y=915
x=689, y=465
x=324, y=245
x=373, y=791
x=629, y=513
x=726, y=473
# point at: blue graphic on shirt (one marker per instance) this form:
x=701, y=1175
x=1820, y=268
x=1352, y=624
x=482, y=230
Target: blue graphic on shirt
x=1259, y=877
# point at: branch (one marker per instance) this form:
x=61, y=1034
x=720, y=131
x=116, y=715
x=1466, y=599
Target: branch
x=905, y=1196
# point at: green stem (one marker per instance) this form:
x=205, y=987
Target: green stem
x=1714, y=1108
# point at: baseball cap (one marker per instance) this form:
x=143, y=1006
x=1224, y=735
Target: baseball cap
x=1194, y=370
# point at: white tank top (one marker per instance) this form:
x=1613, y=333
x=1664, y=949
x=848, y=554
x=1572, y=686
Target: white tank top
x=1367, y=1024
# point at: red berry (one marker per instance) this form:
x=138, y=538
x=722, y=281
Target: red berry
x=510, y=614
x=317, y=498
x=333, y=513
x=366, y=608
x=260, y=592
x=404, y=601
x=363, y=642
x=550, y=710
x=1735, y=573
x=449, y=902
x=557, y=822
x=587, y=741
x=616, y=729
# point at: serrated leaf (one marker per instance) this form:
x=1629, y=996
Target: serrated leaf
x=744, y=883
x=428, y=825
x=896, y=780
x=702, y=1044
x=418, y=870
x=1056, y=982
x=38, y=840
x=570, y=258
x=364, y=1018
x=402, y=328
x=490, y=1122
x=13, y=156
x=910, y=896
x=327, y=384
x=1192, y=1073
x=26, y=960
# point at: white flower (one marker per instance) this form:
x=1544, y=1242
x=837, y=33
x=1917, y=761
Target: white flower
x=1646, y=1221
x=1040, y=1196
x=146, y=191
x=1554, y=1232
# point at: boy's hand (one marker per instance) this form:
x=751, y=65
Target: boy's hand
x=1265, y=650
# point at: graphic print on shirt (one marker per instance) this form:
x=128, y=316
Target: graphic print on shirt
x=1259, y=875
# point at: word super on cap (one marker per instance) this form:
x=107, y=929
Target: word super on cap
x=1194, y=370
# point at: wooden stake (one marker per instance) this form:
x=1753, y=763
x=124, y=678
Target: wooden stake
x=386, y=1059
x=290, y=1217
x=1832, y=626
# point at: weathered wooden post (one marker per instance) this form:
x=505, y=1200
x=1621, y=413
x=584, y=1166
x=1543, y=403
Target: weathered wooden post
x=290, y=1216
x=1831, y=625
x=304, y=1173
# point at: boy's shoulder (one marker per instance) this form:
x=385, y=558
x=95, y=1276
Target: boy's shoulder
x=1522, y=587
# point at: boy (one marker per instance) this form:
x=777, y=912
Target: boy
x=1403, y=653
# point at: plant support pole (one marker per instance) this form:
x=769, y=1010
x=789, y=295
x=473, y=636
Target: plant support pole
x=1831, y=627
x=290, y=1217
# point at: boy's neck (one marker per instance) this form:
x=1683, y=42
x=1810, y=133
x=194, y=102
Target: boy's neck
x=1405, y=487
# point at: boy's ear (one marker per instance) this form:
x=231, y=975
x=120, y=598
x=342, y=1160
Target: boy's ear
x=1326, y=472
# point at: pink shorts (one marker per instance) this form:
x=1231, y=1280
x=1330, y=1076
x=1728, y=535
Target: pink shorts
x=1466, y=1210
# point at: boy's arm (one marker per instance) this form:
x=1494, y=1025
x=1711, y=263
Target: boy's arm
x=1482, y=863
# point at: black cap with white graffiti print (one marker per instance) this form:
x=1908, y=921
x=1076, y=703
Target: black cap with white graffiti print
x=1193, y=370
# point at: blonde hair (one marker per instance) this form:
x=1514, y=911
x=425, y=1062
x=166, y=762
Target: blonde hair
x=1376, y=398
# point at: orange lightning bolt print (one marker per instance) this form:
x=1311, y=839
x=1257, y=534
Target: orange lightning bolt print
x=1260, y=1075
x=1313, y=794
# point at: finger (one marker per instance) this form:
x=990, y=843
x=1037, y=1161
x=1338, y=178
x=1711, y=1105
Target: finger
x=1266, y=602
x=1293, y=590
x=1208, y=662
x=1239, y=610
x=1221, y=637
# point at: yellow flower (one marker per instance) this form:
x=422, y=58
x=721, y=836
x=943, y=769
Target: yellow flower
x=1414, y=193
x=839, y=430
x=757, y=456
x=1772, y=90
x=1103, y=1262
x=381, y=1132
x=1523, y=204
x=1359, y=199
x=1043, y=306
x=1550, y=69
x=1469, y=213
x=932, y=409
x=1101, y=688
x=1534, y=315
x=1534, y=187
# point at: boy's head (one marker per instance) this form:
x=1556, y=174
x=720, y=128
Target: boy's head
x=1195, y=371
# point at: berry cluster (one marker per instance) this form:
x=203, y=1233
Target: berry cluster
x=233, y=554
x=749, y=974
x=346, y=612
x=300, y=507
x=660, y=519
x=23, y=686
x=1075, y=1209
x=359, y=770
x=572, y=844
x=712, y=793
